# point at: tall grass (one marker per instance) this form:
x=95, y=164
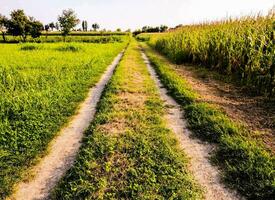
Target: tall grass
x=40, y=88
x=243, y=47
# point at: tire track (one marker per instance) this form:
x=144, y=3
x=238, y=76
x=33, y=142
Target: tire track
x=63, y=149
x=206, y=174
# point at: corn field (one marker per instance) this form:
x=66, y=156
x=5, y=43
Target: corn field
x=243, y=47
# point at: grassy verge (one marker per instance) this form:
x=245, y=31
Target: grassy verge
x=247, y=166
x=127, y=152
x=41, y=86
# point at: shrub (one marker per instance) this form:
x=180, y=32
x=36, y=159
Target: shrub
x=29, y=47
x=70, y=48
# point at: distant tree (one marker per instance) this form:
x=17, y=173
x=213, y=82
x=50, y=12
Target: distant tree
x=153, y=29
x=84, y=25
x=18, y=25
x=178, y=26
x=128, y=31
x=21, y=25
x=52, y=25
x=136, y=32
x=145, y=29
x=163, y=28
x=118, y=30
x=47, y=28
x=3, y=24
x=35, y=27
x=149, y=29
x=67, y=20
x=57, y=26
x=95, y=26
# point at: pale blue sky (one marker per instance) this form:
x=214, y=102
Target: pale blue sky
x=112, y=14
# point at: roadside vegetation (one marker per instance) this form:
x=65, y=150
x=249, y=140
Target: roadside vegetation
x=127, y=152
x=247, y=165
x=41, y=86
x=239, y=47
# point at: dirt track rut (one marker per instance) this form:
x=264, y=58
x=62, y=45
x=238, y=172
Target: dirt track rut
x=207, y=175
x=63, y=149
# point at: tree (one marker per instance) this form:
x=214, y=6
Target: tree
x=84, y=25
x=57, y=26
x=67, y=20
x=21, y=25
x=3, y=24
x=95, y=26
x=18, y=24
x=52, y=26
x=145, y=29
x=163, y=28
x=47, y=27
x=118, y=30
x=136, y=32
x=35, y=28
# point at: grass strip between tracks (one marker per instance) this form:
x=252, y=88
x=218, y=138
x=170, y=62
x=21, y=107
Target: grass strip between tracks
x=127, y=152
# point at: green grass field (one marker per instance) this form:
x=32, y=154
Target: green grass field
x=41, y=86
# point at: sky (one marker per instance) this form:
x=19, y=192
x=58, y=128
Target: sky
x=133, y=14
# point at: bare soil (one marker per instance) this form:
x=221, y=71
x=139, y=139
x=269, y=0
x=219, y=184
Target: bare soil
x=63, y=149
x=207, y=175
x=255, y=112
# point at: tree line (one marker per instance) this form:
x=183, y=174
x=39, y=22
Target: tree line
x=19, y=24
x=149, y=29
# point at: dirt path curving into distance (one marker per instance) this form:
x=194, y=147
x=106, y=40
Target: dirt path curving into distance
x=64, y=148
x=206, y=174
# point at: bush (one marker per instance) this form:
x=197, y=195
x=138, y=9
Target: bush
x=29, y=47
x=70, y=48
